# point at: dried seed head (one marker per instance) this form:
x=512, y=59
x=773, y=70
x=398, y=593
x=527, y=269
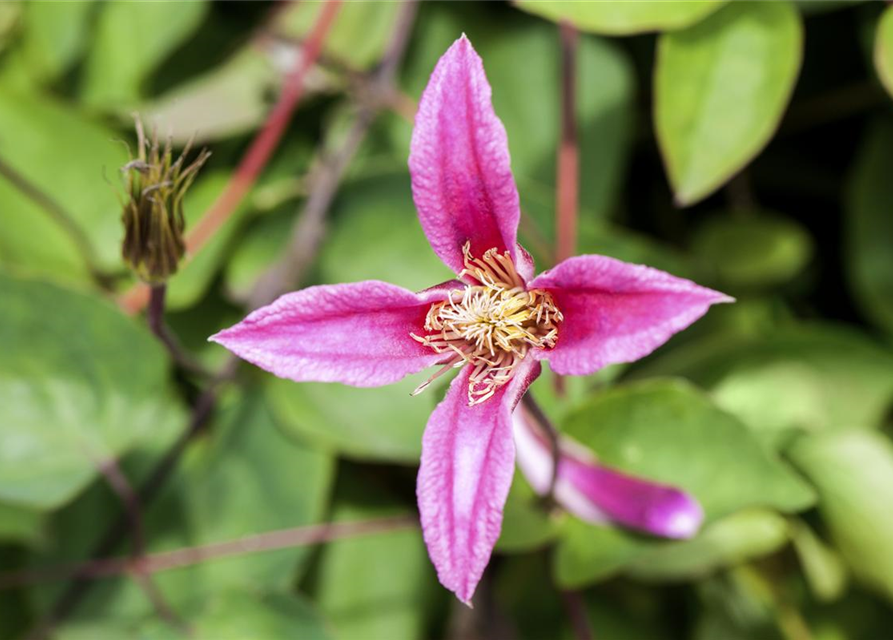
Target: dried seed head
x=153, y=210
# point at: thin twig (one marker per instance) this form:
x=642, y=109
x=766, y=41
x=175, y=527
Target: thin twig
x=62, y=218
x=576, y=612
x=536, y=412
x=308, y=230
x=190, y=556
x=151, y=487
x=111, y=471
x=258, y=154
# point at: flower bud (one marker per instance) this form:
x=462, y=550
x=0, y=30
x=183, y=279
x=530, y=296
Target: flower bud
x=153, y=213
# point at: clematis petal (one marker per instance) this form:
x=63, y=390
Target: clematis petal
x=358, y=334
x=462, y=180
x=617, y=312
x=468, y=460
x=598, y=494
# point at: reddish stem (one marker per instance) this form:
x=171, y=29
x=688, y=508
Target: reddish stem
x=568, y=176
x=258, y=154
x=568, y=170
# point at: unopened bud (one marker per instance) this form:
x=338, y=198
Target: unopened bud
x=153, y=213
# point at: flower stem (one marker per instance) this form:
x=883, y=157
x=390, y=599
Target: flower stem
x=155, y=318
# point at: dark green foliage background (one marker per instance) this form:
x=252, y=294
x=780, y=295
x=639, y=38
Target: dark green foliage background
x=769, y=122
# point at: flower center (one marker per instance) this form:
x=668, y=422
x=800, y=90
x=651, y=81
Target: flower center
x=491, y=324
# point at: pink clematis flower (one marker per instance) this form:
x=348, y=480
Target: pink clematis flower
x=496, y=322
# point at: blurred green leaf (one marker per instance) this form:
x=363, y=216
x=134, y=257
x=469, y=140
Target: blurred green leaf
x=259, y=247
x=751, y=251
x=669, y=432
x=245, y=477
x=10, y=13
x=132, y=38
x=231, y=99
x=618, y=18
x=374, y=586
x=721, y=87
x=869, y=225
x=71, y=159
x=383, y=423
x=54, y=36
x=79, y=383
x=823, y=567
x=526, y=524
x=853, y=474
x=376, y=235
x=883, y=49
x=735, y=539
x=20, y=524
x=835, y=376
x=359, y=34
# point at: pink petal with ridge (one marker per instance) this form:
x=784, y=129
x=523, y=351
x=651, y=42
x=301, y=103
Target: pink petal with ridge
x=462, y=180
x=468, y=460
x=616, y=312
x=357, y=334
x=598, y=494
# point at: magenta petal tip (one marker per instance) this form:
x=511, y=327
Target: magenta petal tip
x=675, y=514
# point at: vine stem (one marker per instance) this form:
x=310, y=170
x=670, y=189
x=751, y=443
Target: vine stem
x=155, y=320
x=258, y=154
x=189, y=556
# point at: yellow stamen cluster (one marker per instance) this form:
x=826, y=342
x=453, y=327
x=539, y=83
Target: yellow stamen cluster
x=490, y=325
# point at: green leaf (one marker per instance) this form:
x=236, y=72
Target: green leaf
x=10, y=14
x=132, y=38
x=245, y=477
x=79, y=383
x=883, y=49
x=733, y=540
x=20, y=524
x=617, y=18
x=374, y=586
x=752, y=250
x=669, y=432
x=384, y=423
x=67, y=156
x=853, y=474
x=231, y=99
x=376, y=235
x=526, y=523
x=868, y=224
x=54, y=36
x=835, y=376
x=823, y=567
x=721, y=87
